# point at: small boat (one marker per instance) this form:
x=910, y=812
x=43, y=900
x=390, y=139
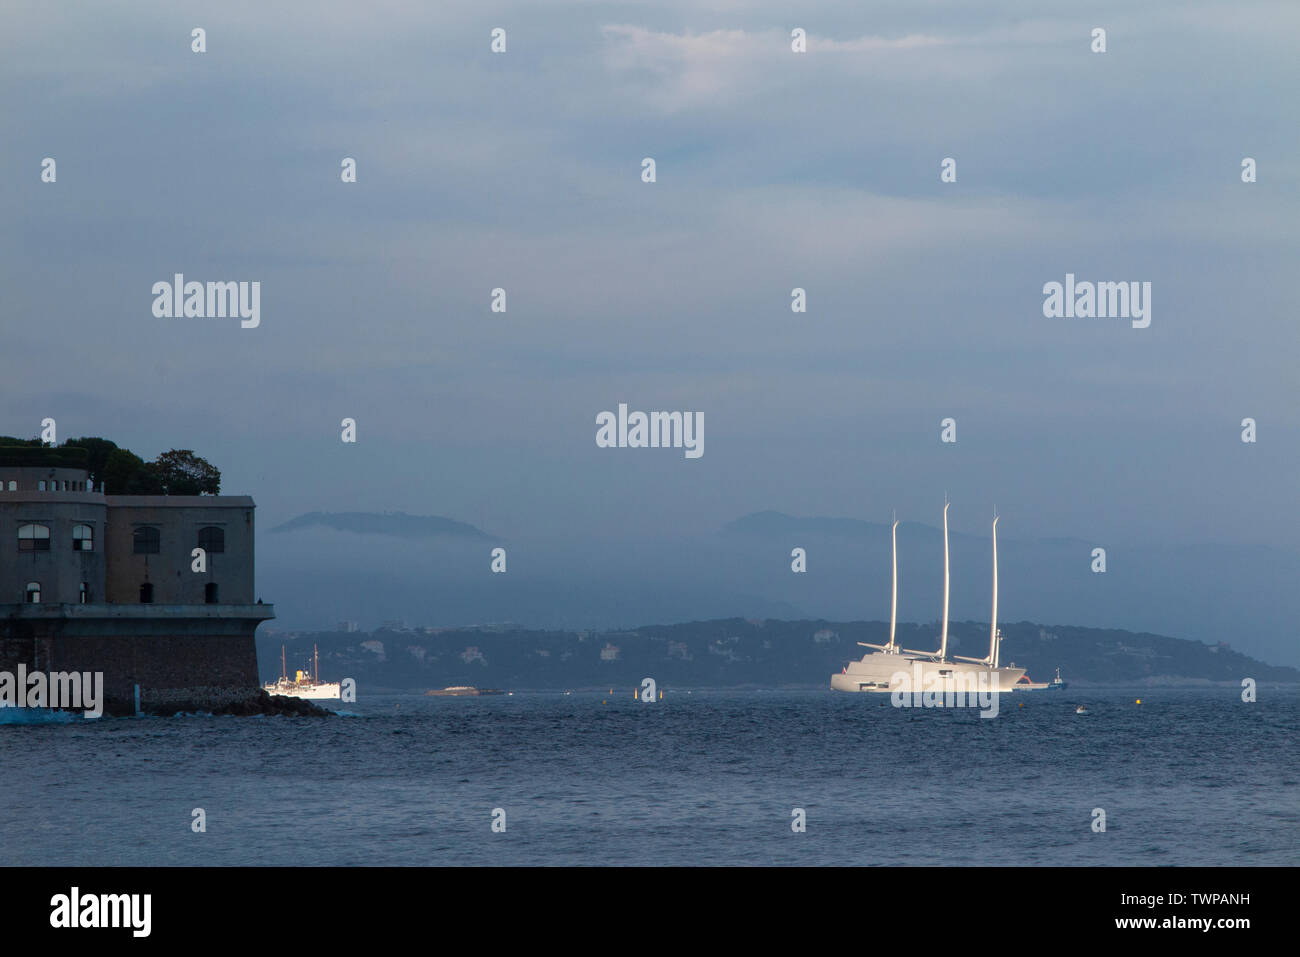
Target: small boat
x=461, y=691
x=1081, y=710
x=1025, y=684
x=304, y=685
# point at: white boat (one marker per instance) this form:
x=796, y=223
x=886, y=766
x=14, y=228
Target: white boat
x=889, y=667
x=303, y=685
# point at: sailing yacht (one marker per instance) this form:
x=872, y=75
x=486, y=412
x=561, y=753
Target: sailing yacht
x=889, y=667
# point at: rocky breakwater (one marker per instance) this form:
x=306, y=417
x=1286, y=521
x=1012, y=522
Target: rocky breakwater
x=251, y=703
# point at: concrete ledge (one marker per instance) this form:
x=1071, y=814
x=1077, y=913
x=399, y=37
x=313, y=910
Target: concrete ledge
x=179, y=501
x=101, y=611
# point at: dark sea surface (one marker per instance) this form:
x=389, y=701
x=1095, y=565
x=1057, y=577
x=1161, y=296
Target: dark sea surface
x=709, y=777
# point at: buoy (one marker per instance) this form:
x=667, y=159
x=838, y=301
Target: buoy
x=1022, y=704
x=1138, y=701
x=661, y=696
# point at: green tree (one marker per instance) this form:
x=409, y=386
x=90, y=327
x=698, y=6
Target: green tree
x=125, y=473
x=97, y=451
x=181, y=472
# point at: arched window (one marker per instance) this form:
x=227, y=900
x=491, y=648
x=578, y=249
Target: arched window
x=146, y=540
x=83, y=538
x=210, y=593
x=85, y=592
x=33, y=538
x=33, y=593
x=146, y=593
x=212, y=539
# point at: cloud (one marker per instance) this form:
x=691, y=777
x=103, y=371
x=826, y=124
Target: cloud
x=681, y=71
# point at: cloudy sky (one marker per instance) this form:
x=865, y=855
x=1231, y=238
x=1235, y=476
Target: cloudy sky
x=775, y=170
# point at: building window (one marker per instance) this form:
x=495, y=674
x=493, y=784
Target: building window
x=146, y=541
x=33, y=593
x=85, y=592
x=146, y=593
x=40, y=486
x=212, y=539
x=13, y=486
x=33, y=538
x=83, y=538
x=210, y=593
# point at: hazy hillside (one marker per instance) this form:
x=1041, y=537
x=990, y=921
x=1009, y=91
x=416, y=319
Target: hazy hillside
x=397, y=524
x=733, y=652
x=320, y=568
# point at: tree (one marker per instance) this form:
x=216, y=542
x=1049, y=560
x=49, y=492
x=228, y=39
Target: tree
x=181, y=472
x=125, y=473
x=98, y=451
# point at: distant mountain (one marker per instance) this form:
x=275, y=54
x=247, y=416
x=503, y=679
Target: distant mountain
x=396, y=524
x=737, y=652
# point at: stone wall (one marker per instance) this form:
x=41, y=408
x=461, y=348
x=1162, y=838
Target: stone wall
x=201, y=662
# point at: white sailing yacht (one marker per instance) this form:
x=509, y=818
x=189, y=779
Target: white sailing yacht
x=889, y=667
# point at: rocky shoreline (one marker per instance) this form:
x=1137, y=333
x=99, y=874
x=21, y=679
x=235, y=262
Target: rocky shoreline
x=256, y=703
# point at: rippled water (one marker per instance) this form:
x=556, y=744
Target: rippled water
x=710, y=777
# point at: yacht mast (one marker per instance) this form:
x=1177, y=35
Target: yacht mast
x=943, y=639
x=993, y=621
x=893, y=595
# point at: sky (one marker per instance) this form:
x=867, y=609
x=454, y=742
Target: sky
x=775, y=170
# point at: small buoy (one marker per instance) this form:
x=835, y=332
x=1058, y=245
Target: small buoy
x=661, y=696
x=604, y=702
x=1138, y=701
x=1022, y=704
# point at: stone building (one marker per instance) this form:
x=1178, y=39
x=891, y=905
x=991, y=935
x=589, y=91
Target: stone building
x=96, y=582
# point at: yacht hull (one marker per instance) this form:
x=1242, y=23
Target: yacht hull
x=885, y=673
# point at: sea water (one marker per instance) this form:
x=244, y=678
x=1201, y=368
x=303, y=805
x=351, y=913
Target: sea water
x=707, y=777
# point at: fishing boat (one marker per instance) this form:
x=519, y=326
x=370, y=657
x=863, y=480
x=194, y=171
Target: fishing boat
x=303, y=685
